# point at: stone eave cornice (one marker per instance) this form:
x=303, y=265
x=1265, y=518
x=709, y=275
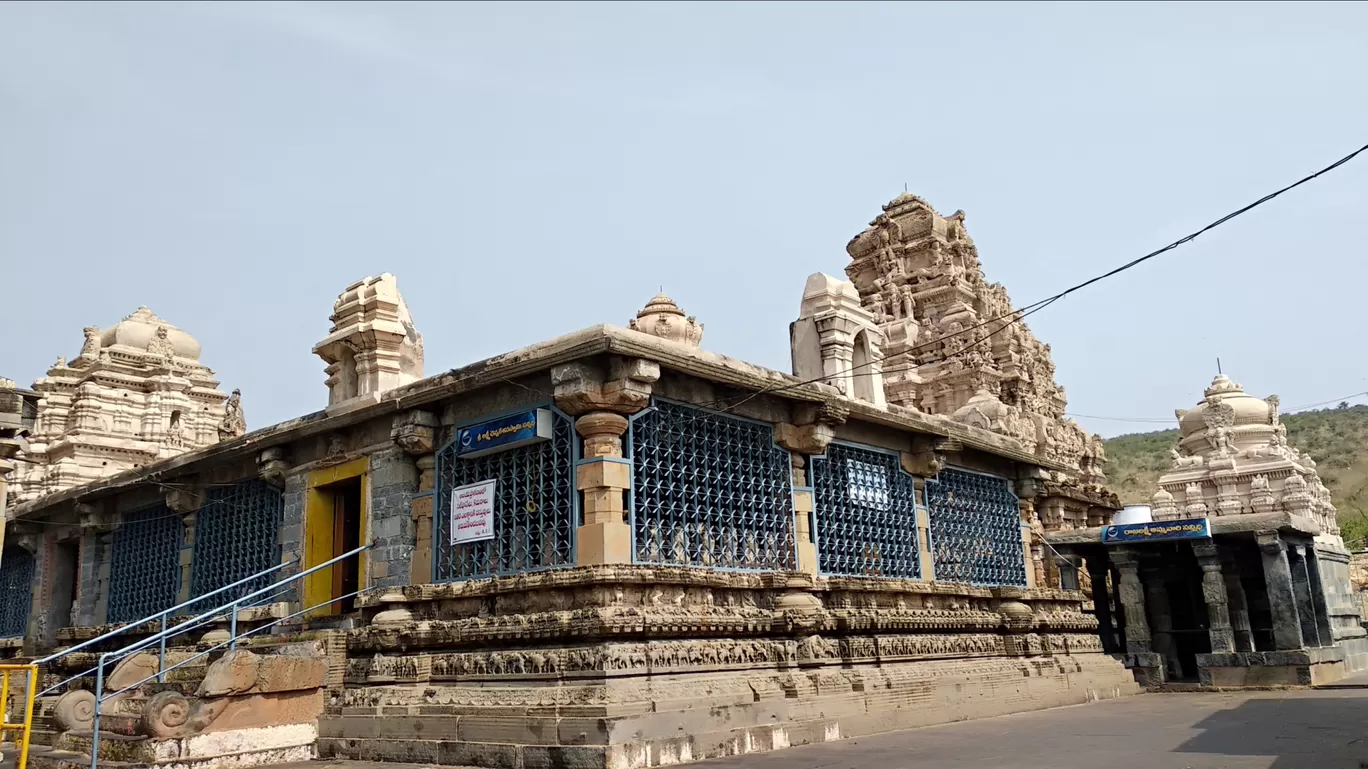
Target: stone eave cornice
x=596, y=340
x=1248, y=523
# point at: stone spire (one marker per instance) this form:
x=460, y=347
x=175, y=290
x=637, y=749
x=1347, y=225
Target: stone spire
x=662, y=317
x=949, y=349
x=373, y=345
x=1233, y=458
x=135, y=393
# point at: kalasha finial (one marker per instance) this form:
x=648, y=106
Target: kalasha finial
x=661, y=317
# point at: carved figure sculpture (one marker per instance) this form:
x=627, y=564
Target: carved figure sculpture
x=234, y=423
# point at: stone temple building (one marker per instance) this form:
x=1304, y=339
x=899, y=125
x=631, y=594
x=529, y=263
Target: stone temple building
x=1241, y=578
x=614, y=548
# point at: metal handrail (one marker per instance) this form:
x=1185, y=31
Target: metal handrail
x=229, y=642
x=101, y=697
x=162, y=615
x=184, y=627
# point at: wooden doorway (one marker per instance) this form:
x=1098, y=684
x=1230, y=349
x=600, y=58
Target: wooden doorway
x=335, y=522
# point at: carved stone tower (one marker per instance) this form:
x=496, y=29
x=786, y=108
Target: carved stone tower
x=951, y=347
x=373, y=346
x=136, y=393
x=836, y=340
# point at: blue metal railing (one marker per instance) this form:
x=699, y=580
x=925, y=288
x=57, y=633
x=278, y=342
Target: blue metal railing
x=163, y=617
x=211, y=615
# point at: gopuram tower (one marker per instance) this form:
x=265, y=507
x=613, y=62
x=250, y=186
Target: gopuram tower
x=949, y=349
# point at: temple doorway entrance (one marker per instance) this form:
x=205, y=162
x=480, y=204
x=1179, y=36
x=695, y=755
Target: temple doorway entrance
x=335, y=524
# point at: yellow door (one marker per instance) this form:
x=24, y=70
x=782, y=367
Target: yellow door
x=324, y=538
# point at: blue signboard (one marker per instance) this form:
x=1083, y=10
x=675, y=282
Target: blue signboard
x=1157, y=531
x=504, y=433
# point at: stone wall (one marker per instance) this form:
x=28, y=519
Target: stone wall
x=393, y=483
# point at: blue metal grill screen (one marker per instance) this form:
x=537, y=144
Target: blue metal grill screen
x=975, y=529
x=16, y=591
x=534, y=510
x=710, y=490
x=144, y=566
x=237, y=534
x=866, y=514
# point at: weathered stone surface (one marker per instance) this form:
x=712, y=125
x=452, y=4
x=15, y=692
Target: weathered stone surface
x=243, y=672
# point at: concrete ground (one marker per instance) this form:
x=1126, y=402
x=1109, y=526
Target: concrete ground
x=1263, y=730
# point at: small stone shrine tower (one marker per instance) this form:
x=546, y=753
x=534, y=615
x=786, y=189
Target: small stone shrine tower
x=1233, y=458
x=373, y=345
x=836, y=339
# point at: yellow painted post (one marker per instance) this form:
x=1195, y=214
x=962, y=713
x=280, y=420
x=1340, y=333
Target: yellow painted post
x=25, y=728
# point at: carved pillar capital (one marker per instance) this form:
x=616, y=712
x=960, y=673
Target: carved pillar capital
x=95, y=516
x=25, y=535
x=1270, y=542
x=623, y=385
x=806, y=439
x=185, y=495
x=272, y=466
x=415, y=432
x=602, y=432
x=925, y=459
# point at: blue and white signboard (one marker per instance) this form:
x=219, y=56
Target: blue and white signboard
x=1157, y=531
x=504, y=433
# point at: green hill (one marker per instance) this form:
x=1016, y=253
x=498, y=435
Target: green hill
x=1336, y=438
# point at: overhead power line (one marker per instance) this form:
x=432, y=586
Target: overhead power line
x=1022, y=312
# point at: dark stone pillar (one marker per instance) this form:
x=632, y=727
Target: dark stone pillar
x=1301, y=588
x=1132, y=596
x=1239, y=605
x=1098, y=571
x=1161, y=618
x=1282, y=601
x=1323, y=628
x=1214, y=593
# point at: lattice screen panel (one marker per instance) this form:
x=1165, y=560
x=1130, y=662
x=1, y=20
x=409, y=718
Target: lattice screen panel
x=866, y=514
x=144, y=564
x=711, y=490
x=237, y=534
x=534, y=508
x=975, y=529
x=16, y=591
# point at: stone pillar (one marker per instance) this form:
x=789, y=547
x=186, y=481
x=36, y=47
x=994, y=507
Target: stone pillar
x=420, y=568
x=1101, y=597
x=1216, y=596
x=604, y=477
x=1323, y=627
x=802, y=516
x=1239, y=605
x=1301, y=588
x=1282, y=601
x=1132, y=596
x=1161, y=618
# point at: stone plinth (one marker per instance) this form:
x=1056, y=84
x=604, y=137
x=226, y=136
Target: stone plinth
x=642, y=666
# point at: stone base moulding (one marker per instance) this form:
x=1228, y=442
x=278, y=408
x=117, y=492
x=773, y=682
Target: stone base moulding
x=669, y=719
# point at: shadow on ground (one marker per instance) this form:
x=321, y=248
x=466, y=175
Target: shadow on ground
x=1296, y=733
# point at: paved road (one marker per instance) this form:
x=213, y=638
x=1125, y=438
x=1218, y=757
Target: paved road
x=1255, y=730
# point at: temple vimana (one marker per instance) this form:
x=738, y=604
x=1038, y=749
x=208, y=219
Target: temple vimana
x=618, y=549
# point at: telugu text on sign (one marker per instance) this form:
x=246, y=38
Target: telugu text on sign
x=472, y=512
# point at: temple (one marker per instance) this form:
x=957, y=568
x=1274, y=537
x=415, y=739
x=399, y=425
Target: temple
x=1236, y=574
x=614, y=548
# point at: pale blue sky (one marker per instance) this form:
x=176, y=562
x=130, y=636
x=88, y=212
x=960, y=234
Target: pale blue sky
x=527, y=170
